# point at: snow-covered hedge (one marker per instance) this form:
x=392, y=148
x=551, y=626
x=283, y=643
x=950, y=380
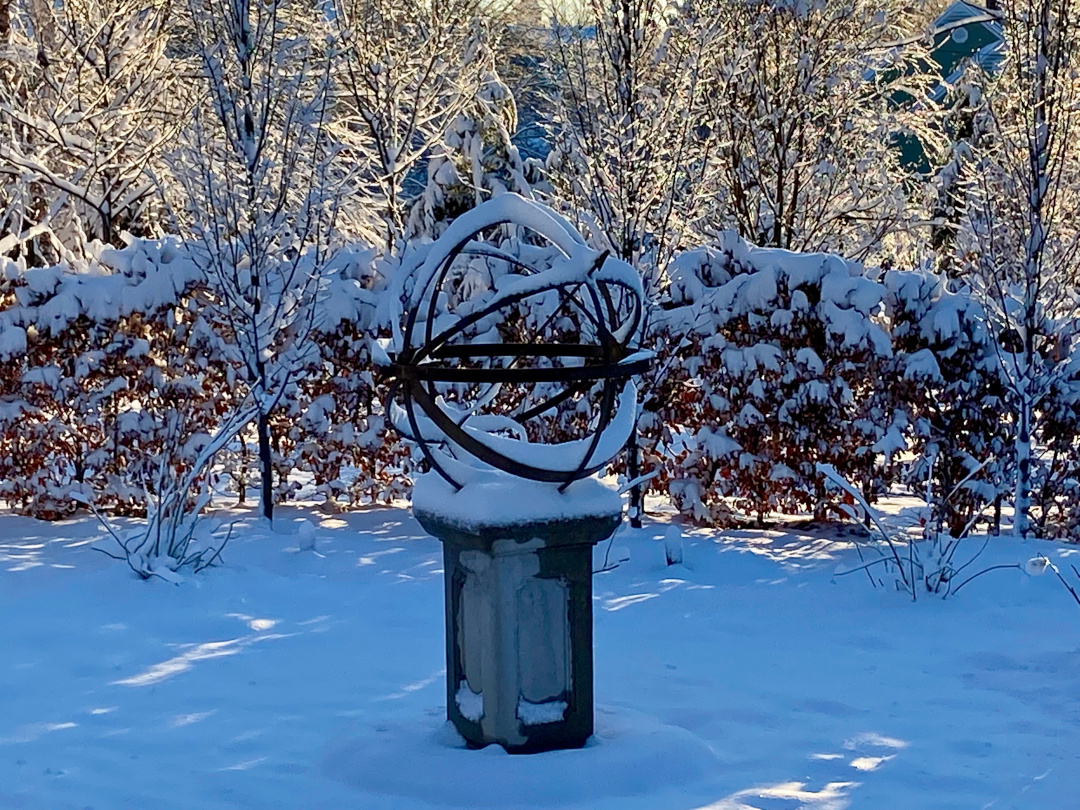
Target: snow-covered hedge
x=769, y=362
x=109, y=368
x=101, y=368
x=1058, y=483
x=951, y=374
x=335, y=426
x=772, y=362
x=946, y=375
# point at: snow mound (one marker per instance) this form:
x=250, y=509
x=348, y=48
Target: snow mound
x=631, y=754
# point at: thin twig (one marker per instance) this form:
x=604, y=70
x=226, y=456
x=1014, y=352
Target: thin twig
x=1068, y=587
x=217, y=551
x=107, y=553
x=863, y=567
x=986, y=571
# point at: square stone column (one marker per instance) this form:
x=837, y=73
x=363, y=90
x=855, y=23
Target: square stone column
x=519, y=658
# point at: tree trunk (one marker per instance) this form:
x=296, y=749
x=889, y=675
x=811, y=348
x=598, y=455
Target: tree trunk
x=240, y=478
x=1023, y=466
x=637, y=502
x=266, y=466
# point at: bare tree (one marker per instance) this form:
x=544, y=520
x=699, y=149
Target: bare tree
x=404, y=70
x=1021, y=240
x=626, y=141
x=805, y=107
x=475, y=161
x=257, y=170
x=87, y=109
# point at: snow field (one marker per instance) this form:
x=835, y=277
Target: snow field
x=751, y=676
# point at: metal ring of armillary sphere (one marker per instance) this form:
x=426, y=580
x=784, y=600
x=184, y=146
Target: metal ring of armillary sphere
x=433, y=354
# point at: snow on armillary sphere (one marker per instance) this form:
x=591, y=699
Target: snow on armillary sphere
x=468, y=369
x=502, y=346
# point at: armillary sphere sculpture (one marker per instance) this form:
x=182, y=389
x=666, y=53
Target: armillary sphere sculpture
x=454, y=371
x=491, y=342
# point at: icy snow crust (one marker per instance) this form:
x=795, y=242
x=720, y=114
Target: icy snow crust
x=749, y=677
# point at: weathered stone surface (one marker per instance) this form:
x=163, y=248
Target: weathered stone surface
x=519, y=630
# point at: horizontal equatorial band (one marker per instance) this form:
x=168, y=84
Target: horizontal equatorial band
x=434, y=372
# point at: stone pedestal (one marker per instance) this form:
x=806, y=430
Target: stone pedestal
x=519, y=665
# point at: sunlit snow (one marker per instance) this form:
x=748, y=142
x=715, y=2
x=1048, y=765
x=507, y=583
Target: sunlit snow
x=312, y=675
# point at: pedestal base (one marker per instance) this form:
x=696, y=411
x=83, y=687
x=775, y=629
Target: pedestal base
x=519, y=664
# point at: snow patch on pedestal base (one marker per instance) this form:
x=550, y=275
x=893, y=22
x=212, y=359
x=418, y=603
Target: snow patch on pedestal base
x=469, y=703
x=536, y=714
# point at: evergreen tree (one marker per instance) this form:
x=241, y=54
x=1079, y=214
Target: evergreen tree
x=477, y=160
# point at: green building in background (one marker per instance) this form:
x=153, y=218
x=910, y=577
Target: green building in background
x=964, y=34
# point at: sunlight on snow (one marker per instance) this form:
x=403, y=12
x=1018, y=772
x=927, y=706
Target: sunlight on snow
x=182, y=662
x=416, y=686
x=316, y=620
x=869, y=763
x=34, y=731
x=182, y=720
x=873, y=738
x=834, y=796
x=258, y=625
x=28, y=553
x=424, y=570
x=243, y=766
x=620, y=602
x=200, y=652
x=87, y=541
x=670, y=584
x=24, y=555
x=369, y=559
x=789, y=548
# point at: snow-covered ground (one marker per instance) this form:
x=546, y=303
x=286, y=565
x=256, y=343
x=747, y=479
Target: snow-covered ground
x=751, y=677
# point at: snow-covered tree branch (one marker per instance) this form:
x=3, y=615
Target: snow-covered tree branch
x=257, y=171
x=1020, y=234
x=627, y=149
x=88, y=106
x=804, y=115
x=404, y=70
